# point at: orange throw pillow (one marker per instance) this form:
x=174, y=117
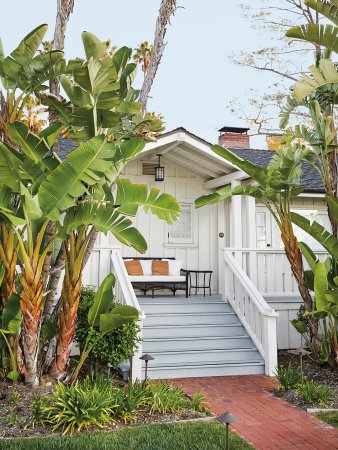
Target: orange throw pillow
x=134, y=267
x=160, y=267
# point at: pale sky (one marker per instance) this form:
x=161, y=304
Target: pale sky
x=196, y=79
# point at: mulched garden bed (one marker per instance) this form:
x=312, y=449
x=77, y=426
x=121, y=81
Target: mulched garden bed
x=312, y=371
x=16, y=418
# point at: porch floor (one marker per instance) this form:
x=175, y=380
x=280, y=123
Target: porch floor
x=265, y=421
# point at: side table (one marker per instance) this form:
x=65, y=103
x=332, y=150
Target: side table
x=198, y=280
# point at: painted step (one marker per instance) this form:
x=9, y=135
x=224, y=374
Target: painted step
x=202, y=343
x=191, y=319
x=201, y=330
x=184, y=307
x=207, y=356
x=217, y=369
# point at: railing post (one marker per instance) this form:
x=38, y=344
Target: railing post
x=270, y=343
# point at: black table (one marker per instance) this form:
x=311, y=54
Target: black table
x=206, y=280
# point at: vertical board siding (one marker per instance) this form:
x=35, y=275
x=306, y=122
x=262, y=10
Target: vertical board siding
x=186, y=187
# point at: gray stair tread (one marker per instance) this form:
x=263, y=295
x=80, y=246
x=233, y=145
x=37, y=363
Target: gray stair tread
x=204, y=338
x=198, y=325
x=210, y=350
x=205, y=364
x=226, y=313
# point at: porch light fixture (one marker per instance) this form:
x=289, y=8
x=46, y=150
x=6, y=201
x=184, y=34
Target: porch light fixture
x=227, y=418
x=146, y=358
x=159, y=170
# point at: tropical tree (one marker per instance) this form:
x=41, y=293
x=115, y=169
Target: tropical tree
x=322, y=279
x=273, y=186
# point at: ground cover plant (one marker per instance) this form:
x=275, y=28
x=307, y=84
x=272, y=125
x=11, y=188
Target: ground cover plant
x=317, y=388
x=197, y=436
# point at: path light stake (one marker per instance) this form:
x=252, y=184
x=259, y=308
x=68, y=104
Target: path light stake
x=146, y=358
x=301, y=352
x=109, y=366
x=227, y=418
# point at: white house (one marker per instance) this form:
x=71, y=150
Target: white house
x=233, y=331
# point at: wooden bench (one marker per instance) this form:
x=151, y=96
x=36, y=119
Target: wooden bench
x=154, y=282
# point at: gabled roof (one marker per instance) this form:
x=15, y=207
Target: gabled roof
x=195, y=154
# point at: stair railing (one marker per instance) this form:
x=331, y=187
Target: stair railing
x=125, y=294
x=259, y=320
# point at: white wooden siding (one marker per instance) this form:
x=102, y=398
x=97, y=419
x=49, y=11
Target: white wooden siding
x=186, y=187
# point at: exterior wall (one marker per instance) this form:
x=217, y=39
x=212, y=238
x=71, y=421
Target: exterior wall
x=186, y=187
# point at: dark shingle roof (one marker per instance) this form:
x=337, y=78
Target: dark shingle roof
x=310, y=178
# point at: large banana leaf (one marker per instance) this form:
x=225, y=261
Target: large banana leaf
x=116, y=317
x=85, y=166
x=332, y=204
x=130, y=196
x=323, y=35
x=105, y=218
x=320, y=286
x=259, y=174
x=325, y=75
x=318, y=232
x=9, y=168
x=24, y=53
x=103, y=299
x=92, y=45
x=327, y=9
x=227, y=192
x=287, y=108
x=34, y=147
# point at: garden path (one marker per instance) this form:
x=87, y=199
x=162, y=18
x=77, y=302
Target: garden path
x=265, y=421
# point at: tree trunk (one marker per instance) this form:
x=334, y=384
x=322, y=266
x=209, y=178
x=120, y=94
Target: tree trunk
x=69, y=303
x=332, y=187
x=53, y=284
x=64, y=9
x=167, y=9
x=8, y=258
x=31, y=308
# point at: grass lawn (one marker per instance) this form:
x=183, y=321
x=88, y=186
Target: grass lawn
x=194, y=436
x=330, y=417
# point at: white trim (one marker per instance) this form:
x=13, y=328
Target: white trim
x=225, y=179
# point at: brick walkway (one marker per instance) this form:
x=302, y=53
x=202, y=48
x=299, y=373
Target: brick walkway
x=266, y=422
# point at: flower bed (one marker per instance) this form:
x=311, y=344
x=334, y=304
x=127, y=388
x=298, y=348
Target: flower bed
x=314, y=375
x=91, y=405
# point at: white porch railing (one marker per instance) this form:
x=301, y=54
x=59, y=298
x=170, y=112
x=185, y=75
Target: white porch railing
x=269, y=270
x=125, y=294
x=259, y=320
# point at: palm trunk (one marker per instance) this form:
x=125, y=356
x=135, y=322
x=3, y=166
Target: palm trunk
x=31, y=308
x=167, y=9
x=331, y=187
x=74, y=249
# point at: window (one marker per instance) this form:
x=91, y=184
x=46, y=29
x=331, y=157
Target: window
x=182, y=230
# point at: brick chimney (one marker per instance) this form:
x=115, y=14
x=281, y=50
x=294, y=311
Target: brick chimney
x=234, y=137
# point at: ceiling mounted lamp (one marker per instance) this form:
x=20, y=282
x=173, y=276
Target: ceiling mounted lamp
x=159, y=170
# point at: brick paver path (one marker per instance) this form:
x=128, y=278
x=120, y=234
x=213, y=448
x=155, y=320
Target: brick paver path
x=266, y=422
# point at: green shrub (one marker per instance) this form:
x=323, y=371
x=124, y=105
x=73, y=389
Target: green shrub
x=313, y=393
x=288, y=377
x=80, y=405
x=164, y=398
x=115, y=346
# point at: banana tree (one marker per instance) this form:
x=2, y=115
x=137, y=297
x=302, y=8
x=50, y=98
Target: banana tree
x=273, y=186
x=105, y=318
x=79, y=224
x=101, y=101
x=22, y=74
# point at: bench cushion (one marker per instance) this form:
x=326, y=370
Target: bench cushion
x=133, y=267
x=157, y=278
x=160, y=267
